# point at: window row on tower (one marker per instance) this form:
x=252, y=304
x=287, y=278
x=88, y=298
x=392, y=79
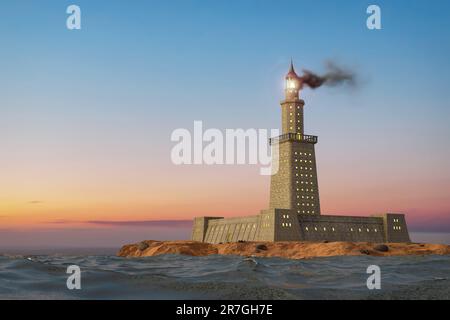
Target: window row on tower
x=303, y=154
x=306, y=211
x=292, y=118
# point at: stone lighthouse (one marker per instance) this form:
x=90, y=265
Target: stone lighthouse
x=294, y=184
x=294, y=209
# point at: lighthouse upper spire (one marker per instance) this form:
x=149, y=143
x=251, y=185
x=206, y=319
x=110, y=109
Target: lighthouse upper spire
x=291, y=72
x=292, y=83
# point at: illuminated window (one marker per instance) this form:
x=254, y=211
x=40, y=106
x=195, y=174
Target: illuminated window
x=315, y=228
x=359, y=230
x=332, y=228
x=324, y=229
x=351, y=229
x=306, y=228
x=368, y=230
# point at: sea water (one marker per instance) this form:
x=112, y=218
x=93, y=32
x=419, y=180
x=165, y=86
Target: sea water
x=223, y=277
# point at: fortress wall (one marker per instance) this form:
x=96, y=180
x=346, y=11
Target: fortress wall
x=266, y=225
x=341, y=228
x=286, y=225
x=279, y=225
x=232, y=229
x=395, y=228
x=200, y=226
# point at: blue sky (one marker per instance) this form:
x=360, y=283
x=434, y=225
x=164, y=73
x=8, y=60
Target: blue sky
x=230, y=52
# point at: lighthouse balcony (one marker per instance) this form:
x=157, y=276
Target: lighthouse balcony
x=291, y=136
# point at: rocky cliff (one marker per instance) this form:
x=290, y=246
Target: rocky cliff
x=290, y=250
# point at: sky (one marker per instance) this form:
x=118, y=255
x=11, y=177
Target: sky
x=86, y=115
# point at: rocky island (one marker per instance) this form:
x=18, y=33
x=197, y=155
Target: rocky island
x=288, y=249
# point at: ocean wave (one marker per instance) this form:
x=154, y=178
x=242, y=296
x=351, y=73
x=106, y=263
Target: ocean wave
x=223, y=277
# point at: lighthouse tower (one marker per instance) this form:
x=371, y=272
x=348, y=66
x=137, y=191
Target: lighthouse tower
x=294, y=182
x=294, y=211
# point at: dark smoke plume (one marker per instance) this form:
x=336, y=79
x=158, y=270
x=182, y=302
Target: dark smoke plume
x=334, y=76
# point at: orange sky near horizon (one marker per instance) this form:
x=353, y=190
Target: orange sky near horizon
x=61, y=199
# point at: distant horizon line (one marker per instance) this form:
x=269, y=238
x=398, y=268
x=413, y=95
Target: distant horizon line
x=188, y=223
